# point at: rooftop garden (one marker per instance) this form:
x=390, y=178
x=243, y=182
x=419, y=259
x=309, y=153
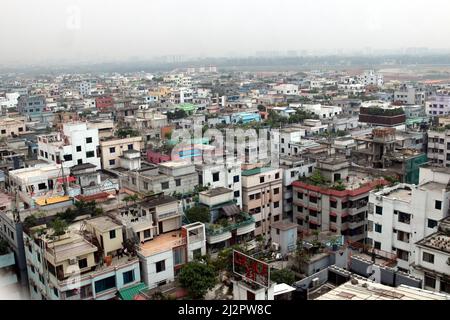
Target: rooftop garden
x=59, y=222
x=377, y=111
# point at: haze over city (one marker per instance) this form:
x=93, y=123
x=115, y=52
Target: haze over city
x=50, y=31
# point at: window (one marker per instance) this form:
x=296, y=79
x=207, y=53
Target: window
x=276, y=204
x=377, y=245
x=438, y=205
x=258, y=224
x=78, y=148
x=112, y=234
x=236, y=179
x=32, y=269
x=112, y=150
x=3, y=131
x=277, y=175
x=145, y=185
x=299, y=208
x=432, y=223
x=312, y=213
x=105, y=284
x=378, y=228
x=130, y=147
x=46, y=155
x=160, y=266
x=165, y=185
x=128, y=276
x=197, y=253
x=378, y=210
x=312, y=199
x=147, y=233
x=428, y=257
x=261, y=179
x=42, y=186
x=112, y=162
x=276, y=218
x=404, y=217
x=333, y=204
x=55, y=292
x=430, y=281
x=67, y=157
x=82, y=263
x=89, y=140
x=276, y=191
x=215, y=176
x=344, y=205
x=237, y=194
x=299, y=195
x=177, y=182
x=333, y=218
x=90, y=154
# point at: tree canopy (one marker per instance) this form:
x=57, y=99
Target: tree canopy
x=198, y=214
x=197, y=277
x=282, y=276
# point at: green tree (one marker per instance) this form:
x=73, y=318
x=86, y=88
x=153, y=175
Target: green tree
x=130, y=198
x=59, y=227
x=197, y=278
x=198, y=214
x=124, y=132
x=282, y=276
x=317, y=178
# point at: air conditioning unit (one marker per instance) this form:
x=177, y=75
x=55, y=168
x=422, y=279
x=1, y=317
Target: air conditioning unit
x=73, y=261
x=314, y=283
x=275, y=246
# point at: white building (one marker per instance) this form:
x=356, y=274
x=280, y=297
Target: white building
x=286, y=88
x=403, y=214
x=75, y=145
x=70, y=267
x=438, y=105
x=324, y=112
x=370, y=77
x=226, y=175
x=85, y=88
x=288, y=137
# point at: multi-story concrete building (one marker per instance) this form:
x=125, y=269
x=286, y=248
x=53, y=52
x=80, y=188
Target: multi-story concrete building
x=439, y=147
x=75, y=145
x=168, y=177
x=432, y=259
x=112, y=149
x=36, y=184
x=294, y=168
x=226, y=175
x=12, y=127
x=164, y=245
x=403, y=214
x=86, y=262
x=262, y=190
x=228, y=225
x=84, y=88
x=338, y=203
x=370, y=77
x=438, y=105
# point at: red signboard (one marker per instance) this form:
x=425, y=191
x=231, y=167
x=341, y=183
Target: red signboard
x=251, y=269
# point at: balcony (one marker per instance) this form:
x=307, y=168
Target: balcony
x=243, y=223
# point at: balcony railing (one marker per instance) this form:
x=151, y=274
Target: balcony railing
x=213, y=230
x=168, y=214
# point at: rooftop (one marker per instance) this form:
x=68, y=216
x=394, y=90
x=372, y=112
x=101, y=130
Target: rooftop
x=439, y=241
x=362, y=290
x=283, y=226
x=251, y=172
x=216, y=191
x=161, y=243
x=103, y=223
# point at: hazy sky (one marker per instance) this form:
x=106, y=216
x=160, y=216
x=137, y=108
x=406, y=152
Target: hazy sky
x=45, y=30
